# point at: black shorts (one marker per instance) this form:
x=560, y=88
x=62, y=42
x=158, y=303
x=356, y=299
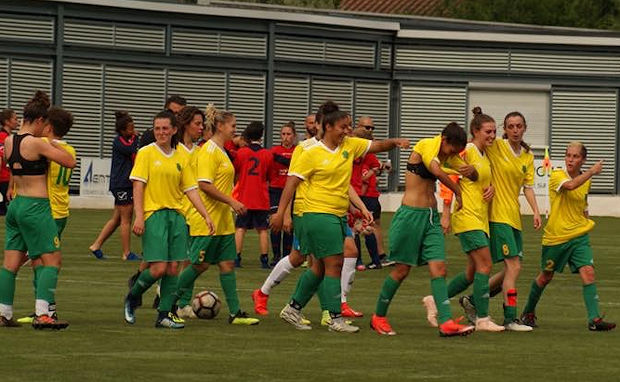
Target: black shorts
x=274, y=199
x=373, y=206
x=122, y=196
x=257, y=219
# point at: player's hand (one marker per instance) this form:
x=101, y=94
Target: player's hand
x=537, y=221
x=287, y=225
x=275, y=222
x=459, y=201
x=488, y=193
x=367, y=216
x=138, y=226
x=210, y=225
x=9, y=194
x=238, y=207
x=467, y=170
x=597, y=168
x=403, y=143
x=445, y=224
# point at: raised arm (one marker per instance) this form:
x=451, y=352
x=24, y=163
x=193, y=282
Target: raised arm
x=583, y=177
x=54, y=152
x=388, y=144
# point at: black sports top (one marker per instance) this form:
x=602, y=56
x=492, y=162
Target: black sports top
x=27, y=167
x=421, y=170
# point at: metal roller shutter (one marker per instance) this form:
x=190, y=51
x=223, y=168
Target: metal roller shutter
x=26, y=27
x=373, y=99
x=290, y=102
x=246, y=98
x=589, y=116
x=4, y=82
x=338, y=91
x=199, y=88
x=83, y=96
x=139, y=91
x=442, y=58
x=26, y=77
x=425, y=110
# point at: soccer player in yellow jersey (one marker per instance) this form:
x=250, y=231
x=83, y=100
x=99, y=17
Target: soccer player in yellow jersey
x=566, y=239
x=512, y=169
x=326, y=167
x=216, y=174
x=160, y=178
x=471, y=225
x=416, y=236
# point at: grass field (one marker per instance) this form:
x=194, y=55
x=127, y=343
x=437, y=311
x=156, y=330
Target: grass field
x=100, y=346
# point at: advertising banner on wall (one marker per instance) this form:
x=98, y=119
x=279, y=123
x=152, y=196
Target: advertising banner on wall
x=95, y=176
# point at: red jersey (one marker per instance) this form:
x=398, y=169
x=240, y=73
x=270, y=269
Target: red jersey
x=371, y=162
x=279, y=170
x=5, y=173
x=231, y=148
x=356, y=175
x=252, y=165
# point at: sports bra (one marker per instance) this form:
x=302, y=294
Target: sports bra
x=28, y=167
x=421, y=170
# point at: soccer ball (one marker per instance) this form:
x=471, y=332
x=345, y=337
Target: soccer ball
x=206, y=305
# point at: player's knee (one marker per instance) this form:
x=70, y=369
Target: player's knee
x=587, y=274
x=296, y=259
x=157, y=270
x=545, y=278
x=400, y=272
x=513, y=264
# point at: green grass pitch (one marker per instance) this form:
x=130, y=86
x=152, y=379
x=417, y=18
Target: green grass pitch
x=100, y=346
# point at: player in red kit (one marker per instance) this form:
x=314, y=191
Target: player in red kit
x=281, y=242
x=252, y=164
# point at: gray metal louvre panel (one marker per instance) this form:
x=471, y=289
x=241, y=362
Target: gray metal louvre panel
x=451, y=59
x=290, y=102
x=386, y=56
x=588, y=116
x=565, y=63
x=341, y=92
x=373, y=99
x=195, y=41
x=425, y=110
x=24, y=27
x=4, y=83
x=140, y=37
x=88, y=33
x=199, y=88
x=240, y=45
x=299, y=50
x=139, y=91
x=246, y=98
x=350, y=53
x=83, y=96
x=26, y=78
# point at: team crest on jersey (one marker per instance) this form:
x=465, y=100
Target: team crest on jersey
x=178, y=166
x=345, y=154
x=505, y=250
x=523, y=168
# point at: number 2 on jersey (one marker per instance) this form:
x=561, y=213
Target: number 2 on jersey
x=255, y=164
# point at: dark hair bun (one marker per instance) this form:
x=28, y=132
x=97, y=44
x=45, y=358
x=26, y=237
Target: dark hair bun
x=120, y=114
x=477, y=110
x=40, y=98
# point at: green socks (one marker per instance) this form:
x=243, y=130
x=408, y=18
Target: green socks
x=185, y=286
x=590, y=296
x=7, y=286
x=46, y=285
x=388, y=290
x=143, y=283
x=320, y=293
x=535, y=293
x=306, y=287
x=458, y=284
x=481, y=294
x=440, y=295
x=35, y=279
x=331, y=293
x=229, y=285
x=167, y=290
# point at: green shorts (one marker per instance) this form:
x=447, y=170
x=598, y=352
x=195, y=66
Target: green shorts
x=61, y=224
x=212, y=249
x=471, y=240
x=506, y=241
x=165, y=237
x=298, y=230
x=322, y=234
x=30, y=227
x=576, y=252
x=416, y=236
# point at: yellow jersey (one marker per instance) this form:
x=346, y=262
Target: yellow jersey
x=509, y=172
x=58, y=178
x=300, y=193
x=475, y=212
x=167, y=178
x=328, y=174
x=189, y=155
x=214, y=166
x=429, y=148
x=566, y=219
